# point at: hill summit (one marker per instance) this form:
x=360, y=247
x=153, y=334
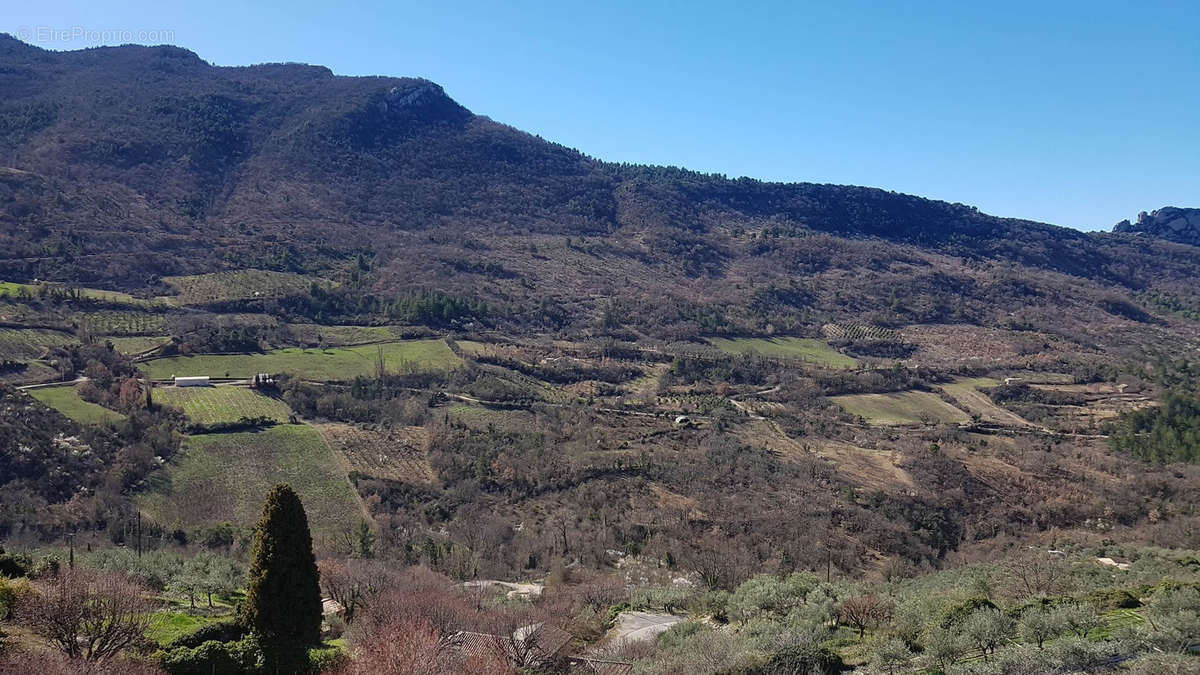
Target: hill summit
x=1169, y=222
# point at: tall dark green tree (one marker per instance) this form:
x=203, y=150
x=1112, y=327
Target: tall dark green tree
x=283, y=592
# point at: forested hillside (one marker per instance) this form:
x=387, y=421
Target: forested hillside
x=124, y=165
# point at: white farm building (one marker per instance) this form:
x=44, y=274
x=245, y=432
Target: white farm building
x=198, y=381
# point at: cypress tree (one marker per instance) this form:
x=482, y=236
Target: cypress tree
x=283, y=593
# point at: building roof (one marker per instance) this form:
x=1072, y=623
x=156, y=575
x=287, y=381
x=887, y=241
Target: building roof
x=528, y=646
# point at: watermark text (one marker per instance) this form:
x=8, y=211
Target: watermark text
x=98, y=36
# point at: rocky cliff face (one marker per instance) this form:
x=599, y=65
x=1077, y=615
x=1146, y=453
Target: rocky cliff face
x=1169, y=222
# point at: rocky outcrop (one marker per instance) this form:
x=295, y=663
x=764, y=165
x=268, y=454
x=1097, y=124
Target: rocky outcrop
x=1169, y=222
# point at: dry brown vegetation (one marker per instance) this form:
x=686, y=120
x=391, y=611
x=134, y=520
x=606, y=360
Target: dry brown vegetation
x=399, y=453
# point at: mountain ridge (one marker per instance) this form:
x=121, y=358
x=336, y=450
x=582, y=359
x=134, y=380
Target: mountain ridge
x=129, y=164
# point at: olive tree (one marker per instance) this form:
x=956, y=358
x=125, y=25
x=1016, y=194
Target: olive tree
x=1040, y=624
x=988, y=629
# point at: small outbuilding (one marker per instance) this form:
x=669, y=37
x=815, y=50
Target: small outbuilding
x=197, y=381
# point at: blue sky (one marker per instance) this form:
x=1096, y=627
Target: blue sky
x=1075, y=113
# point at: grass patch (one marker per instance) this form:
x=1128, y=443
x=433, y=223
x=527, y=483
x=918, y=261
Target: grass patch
x=803, y=349
x=906, y=407
x=201, y=289
x=66, y=400
x=343, y=363
x=218, y=405
x=1114, y=622
x=225, y=477
x=166, y=626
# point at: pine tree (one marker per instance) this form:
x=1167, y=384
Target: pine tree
x=283, y=593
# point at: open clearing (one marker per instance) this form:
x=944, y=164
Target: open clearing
x=905, y=407
x=639, y=626
x=966, y=390
x=225, y=477
x=874, y=469
x=343, y=363
x=66, y=400
x=239, y=285
x=217, y=405
x=395, y=454
x=803, y=349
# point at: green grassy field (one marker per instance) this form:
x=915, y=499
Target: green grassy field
x=343, y=363
x=20, y=344
x=137, y=345
x=225, y=477
x=803, y=349
x=166, y=626
x=66, y=400
x=237, y=285
x=216, y=405
x=906, y=407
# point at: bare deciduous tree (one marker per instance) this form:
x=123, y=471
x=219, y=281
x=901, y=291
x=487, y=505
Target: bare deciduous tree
x=1037, y=574
x=864, y=611
x=354, y=583
x=413, y=645
x=86, y=615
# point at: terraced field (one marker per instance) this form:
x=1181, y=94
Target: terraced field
x=31, y=372
x=224, y=477
x=395, y=454
x=479, y=417
x=12, y=289
x=338, y=364
x=221, y=405
x=905, y=407
x=111, y=322
x=341, y=336
x=238, y=285
x=471, y=347
x=66, y=400
x=801, y=349
x=966, y=390
x=137, y=345
x=858, y=331
x=24, y=344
